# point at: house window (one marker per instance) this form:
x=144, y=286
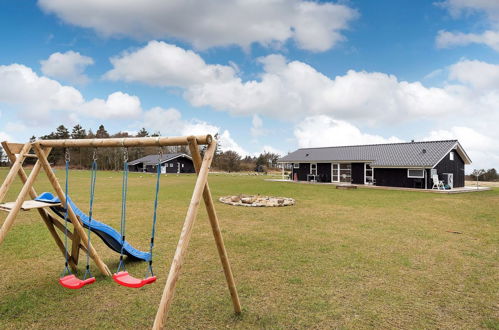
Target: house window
x=182, y=165
x=451, y=155
x=345, y=172
x=171, y=164
x=415, y=173
x=296, y=165
x=313, y=169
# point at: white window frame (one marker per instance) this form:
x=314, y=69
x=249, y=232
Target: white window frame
x=315, y=169
x=296, y=165
x=451, y=155
x=365, y=173
x=413, y=176
x=171, y=164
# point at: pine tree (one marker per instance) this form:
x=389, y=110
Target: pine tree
x=142, y=133
x=78, y=132
x=101, y=133
x=61, y=132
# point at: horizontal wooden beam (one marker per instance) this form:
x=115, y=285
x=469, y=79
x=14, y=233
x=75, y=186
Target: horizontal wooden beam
x=125, y=142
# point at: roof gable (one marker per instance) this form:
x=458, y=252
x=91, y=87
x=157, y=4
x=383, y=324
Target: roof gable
x=153, y=159
x=410, y=154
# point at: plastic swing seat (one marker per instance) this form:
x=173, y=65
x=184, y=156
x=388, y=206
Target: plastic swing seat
x=73, y=282
x=124, y=279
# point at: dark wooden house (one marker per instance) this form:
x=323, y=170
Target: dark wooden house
x=170, y=163
x=410, y=165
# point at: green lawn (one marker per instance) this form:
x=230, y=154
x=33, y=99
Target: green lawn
x=348, y=259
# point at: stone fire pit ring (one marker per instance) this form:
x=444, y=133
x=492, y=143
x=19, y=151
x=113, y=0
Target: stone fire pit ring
x=256, y=201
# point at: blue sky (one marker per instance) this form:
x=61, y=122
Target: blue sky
x=269, y=76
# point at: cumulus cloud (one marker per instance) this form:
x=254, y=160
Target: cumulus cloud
x=480, y=75
x=169, y=122
x=311, y=25
x=38, y=97
x=487, y=11
x=291, y=89
x=117, y=105
x=162, y=64
x=325, y=131
x=68, y=66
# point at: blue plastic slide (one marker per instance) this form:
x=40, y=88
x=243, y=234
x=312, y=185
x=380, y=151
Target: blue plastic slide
x=109, y=235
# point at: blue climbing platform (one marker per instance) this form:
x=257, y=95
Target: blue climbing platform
x=109, y=235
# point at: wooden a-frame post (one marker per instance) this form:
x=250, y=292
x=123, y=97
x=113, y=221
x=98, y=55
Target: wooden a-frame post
x=41, y=154
x=201, y=188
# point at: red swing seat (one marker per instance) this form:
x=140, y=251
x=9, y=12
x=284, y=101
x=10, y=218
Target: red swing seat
x=73, y=282
x=123, y=278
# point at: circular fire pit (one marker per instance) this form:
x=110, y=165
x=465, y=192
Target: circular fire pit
x=257, y=201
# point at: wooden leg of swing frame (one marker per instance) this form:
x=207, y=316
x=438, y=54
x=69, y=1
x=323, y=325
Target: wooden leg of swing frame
x=78, y=228
x=11, y=217
x=215, y=227
x=43, y=213
x=183, y=243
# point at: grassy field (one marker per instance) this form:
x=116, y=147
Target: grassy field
x=348, y=259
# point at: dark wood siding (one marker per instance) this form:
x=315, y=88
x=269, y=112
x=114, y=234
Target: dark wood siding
x=358, y=173
x=301, y=172
x=324, y=172
x=397, y=177
x=172, y=166
x=455, y=166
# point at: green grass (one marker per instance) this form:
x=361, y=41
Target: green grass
x=348, y=259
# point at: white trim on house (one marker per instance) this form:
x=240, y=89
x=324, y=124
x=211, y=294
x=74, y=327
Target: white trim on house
x=311, y=168
x=416, y=176
x=296, y=165
x=365, y=174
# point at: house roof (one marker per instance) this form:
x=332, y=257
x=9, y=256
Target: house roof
x=410, y=154
x=153, y=159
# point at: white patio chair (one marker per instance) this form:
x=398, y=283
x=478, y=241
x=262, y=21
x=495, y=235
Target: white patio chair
x=439, y=184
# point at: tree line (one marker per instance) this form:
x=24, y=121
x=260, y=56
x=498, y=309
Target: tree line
x=112, y=158
x=483, y=175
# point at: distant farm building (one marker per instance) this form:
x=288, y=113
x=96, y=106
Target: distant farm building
x=170, y=163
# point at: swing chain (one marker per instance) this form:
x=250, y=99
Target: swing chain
x=160, y=154
x=94, y=155
x=67, y=156
x=125, y=154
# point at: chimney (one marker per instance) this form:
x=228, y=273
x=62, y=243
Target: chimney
x=412, y=141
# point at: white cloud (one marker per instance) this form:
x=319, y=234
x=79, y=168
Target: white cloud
x=324, y=131
x=290, y=90
x=36, y=95
x=267, y=148
x=295, y=89
x=446, y=39
x=162, y=64
x=117, y=105
x=257, y=126
x=312, y=25
x=39, y=97
x=170, y=123
x=458, y=8
x=480, y=75
x=68, y=66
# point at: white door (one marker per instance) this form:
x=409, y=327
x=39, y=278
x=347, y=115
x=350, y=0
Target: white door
x=335, y=172
x=450, y=180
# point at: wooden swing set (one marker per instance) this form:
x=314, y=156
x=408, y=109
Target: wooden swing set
x=40, y=150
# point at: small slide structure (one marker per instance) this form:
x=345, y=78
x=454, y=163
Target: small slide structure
x=109, y=235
